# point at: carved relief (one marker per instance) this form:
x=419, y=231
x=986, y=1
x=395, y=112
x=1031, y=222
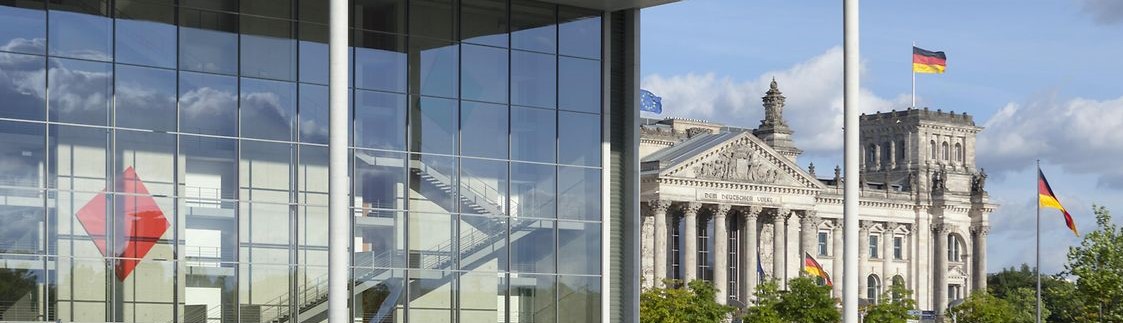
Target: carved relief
x=739, y=163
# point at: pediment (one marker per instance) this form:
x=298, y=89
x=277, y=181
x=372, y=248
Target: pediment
x=742, y=159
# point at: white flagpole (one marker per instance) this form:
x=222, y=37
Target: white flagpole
x=850, y=71
x=1038, y=269
x=911, y=68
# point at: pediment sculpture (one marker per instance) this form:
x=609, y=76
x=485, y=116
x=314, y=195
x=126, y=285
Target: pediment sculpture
x=740, y=163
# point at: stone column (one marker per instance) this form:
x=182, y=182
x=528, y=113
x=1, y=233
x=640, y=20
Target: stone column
x=808, y=232
x=721, y=253
x=836, y=256
x=980, y=275
x=892, y=155
x=647, y=252
x=690, y=241
x=778, y=256
x=749, y=260
x=863, y=256
x=659, y=213
x=887, y=255
x=940, y=259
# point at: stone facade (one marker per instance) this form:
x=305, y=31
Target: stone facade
x=724, y=203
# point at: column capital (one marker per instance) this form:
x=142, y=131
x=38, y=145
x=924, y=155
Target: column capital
x=659, y=206
x=838, y=224
x=720, y=210
x=891, y=226
x=811, y=217
x=944, y=228
x=865, y=225
x=981, y=229
x=752, y=213
x=691, y=207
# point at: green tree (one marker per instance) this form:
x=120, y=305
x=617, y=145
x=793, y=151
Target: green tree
x=1024, y=302
x=693, y=303
x=807, y=301
x=1097, y=264
x=767, y=296
x=983, y=308
x=1058, y=300
x=893, y=307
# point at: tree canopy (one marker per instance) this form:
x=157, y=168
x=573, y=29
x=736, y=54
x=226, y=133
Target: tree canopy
x=893, y=307
x=1097, y=264
x=682, y=303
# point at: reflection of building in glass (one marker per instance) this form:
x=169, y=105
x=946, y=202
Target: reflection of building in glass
x=924, y=220
x=167, y=161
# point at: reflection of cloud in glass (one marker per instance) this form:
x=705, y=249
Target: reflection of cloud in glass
x=79, y=90
x=204, y=103
x=267, y=114
x=24, y=45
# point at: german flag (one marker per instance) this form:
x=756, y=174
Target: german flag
x=1046, y=198
x=813, y=268
x=924, y=61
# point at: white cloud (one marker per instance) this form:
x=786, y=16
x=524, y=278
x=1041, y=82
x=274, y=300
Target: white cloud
x=813, y=107
x=1105, y=11
x=1080, y=135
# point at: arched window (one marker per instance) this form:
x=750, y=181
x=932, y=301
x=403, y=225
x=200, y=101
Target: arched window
x=958, y=153
x=933, y=155
x=901, y=151
x=871, y=156
x=944, y=148
x=887, y=154
x=898, y=281
x=873, y=287
x=953, y=248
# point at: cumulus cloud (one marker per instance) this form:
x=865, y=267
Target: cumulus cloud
x=1104, y=11
x=813, y=107
x=1078, y=134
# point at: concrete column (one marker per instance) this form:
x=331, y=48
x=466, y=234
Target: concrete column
x=749, y=247
x=808, y=232
x=721, y=253
x=339, y=217
x=887, y=255
x=980, y=275
x=892, y=155
x=940, y=286
x=690, y=241
x=659, y=241
x=836, y=256
x=863, y=256
x=647, y=249
x=778, y=257
x=921, y=259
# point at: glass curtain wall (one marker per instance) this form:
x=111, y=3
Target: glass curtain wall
x=167, y=161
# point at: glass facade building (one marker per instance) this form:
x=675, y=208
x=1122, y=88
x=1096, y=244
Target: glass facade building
x=167, y=160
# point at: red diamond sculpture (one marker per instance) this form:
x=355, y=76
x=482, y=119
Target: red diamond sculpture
x=139, y=220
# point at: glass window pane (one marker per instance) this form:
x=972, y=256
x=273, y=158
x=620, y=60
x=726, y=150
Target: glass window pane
x=80, y=91
x=434, y=125
x=208, y=41
x=23, y=231
x=145, y=34
x=483, y=186
x=380, y=180
x=268, y=48
x=146, y=98
x=220, y=5
x=313, y=11
x=380, y=15
x=208, y=104
x=79, y=157
x=79, y=35
x=579, y=33
x=579, y=297
x=533, y=80
x=313, y=114
x=210, y=170
x=533, y=190
x=264, y=233
x=21, y=87
x=579, y=194
x=533, y=298
x=579, y=248
x=430, y=297
x=380, y=239
x=580, y=140
x=269, y=8
x=151, y=157
x=484, y=22
x=266, y=171
x=533, y=134
x=483, y=74
x=84, y=287
x=268, y=109
x=23, y=27
x=532, y=246
x=483, y=297
x=483, y=243
x=312, y=175
x=484, y=128
x=25, y=278
x=380, y=61
x=379, y=295
x=380, y=120
x=433, y=67
x=579, y=84
x=264, y=292
x=534, y=26
x=432, y=184
x=23, y=154
x=211, y=295
x=431, y=240
x=313, y=48
x=432, y=18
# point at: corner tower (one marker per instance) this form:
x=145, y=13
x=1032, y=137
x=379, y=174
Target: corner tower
x=921, y=148
x=773, y=130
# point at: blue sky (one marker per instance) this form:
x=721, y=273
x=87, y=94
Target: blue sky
x=1044, y=77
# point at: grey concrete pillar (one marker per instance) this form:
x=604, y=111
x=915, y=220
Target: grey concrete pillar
x=721, y=253
x=749, y=247
x=690, y=241
x=836, y=256
x=863, y=257
x=980, y=275
x=647, y=249
x=659, y=240
x=779, y=258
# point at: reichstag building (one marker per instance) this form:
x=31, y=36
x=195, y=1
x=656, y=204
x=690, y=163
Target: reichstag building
x=731, y=205
x=167, y=161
